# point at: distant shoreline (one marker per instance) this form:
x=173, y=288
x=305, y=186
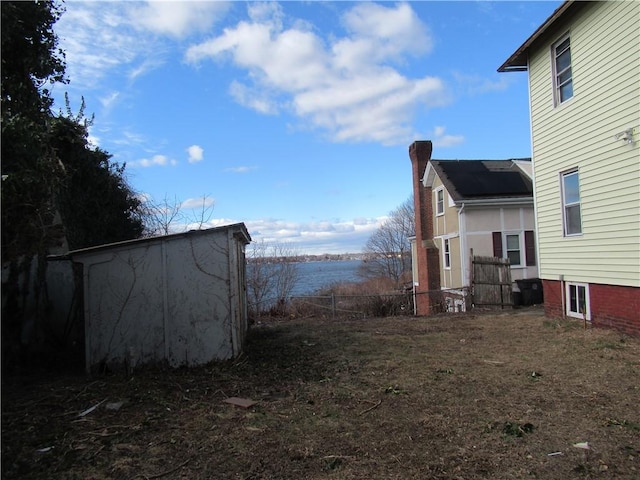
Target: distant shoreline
x=327, y=257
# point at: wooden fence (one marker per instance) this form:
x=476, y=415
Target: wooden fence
x=491, y=282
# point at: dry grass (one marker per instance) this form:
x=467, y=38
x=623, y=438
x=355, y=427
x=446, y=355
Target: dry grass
x=448, y=397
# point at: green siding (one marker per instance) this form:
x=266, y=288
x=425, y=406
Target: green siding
x=605, y=51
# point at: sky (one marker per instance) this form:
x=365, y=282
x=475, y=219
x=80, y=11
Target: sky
x=295, y=117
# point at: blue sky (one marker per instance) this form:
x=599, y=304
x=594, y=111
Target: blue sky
x=296, y=117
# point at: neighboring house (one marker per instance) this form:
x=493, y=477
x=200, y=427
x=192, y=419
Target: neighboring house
x=584, y=88
x=479, y=206
x=177, y=298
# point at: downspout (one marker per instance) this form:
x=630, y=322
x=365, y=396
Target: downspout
x=463, y=248
x=562, y=296
x=415, y=306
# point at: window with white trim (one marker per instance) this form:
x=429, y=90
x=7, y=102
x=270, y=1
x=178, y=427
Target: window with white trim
x=577, y=299
x=518, y=247
x=513, y=249
x=562, y=76
x=571, y=217
x=439, y=201
x=447, y=253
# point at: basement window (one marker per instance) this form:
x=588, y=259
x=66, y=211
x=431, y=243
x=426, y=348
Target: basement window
x=577, y=299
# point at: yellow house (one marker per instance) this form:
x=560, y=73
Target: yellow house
x=484, y=207
x=584, y=89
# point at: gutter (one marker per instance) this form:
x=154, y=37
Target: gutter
x=462, y=231
x=497, y=202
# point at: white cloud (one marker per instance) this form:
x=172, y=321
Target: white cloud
x=441, y=139
x=315, y=238
x=252, y=99
x=201, y=202
x=93, y=140
x=240, y=169
x=143, y=68
x=155, y=161
x=178, y=19
x=97, y=38
x=108, y=100
x=101, y=37
x=345, y=86
x=196, y=153
x=127, y=137
x=382, y=33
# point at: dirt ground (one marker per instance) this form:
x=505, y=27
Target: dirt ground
x=497, y=396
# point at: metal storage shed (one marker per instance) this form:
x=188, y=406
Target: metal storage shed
x=178, y=298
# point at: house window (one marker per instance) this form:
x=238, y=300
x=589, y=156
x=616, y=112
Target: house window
x=512, y=243
x=447, y=253
x=577, y=295
x=571, y=203
x=509, y=245
x=562, y=78
x=440, y=201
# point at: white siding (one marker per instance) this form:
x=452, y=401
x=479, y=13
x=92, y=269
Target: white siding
x=480, y=223
x=605, y=54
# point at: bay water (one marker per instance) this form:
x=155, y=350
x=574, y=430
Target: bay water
x=313, y=276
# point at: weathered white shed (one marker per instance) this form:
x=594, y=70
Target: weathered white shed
x=177, y=298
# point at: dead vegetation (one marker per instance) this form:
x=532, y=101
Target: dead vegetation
x=503, y=396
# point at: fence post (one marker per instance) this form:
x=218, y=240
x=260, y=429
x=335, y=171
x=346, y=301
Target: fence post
x=333, y=305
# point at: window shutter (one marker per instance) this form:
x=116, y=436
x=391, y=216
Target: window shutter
x=530, y=248
x=497, y=244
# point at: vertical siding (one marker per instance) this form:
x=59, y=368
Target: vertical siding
x=605, y=51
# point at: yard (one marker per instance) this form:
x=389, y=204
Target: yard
x=503, y=396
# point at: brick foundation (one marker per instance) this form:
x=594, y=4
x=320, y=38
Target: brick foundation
x=611, y=306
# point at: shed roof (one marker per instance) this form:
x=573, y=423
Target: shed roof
x=483, y=179
x=239, y=229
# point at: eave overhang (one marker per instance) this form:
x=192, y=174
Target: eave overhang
x=495, y=202
x=519, y=60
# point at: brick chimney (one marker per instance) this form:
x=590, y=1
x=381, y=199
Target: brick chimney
x=428, y=260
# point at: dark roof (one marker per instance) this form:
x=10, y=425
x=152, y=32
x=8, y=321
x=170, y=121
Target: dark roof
x=482, y=179
x=519, y=60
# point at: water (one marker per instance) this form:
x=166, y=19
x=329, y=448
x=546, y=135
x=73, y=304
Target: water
x=316, y=275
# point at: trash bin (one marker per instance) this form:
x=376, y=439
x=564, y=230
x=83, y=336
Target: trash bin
x=517, y=299
x=531, y=291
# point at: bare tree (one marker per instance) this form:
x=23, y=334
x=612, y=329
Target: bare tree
x=388, y=250
x=169, y=216
x=160, y=217
x=272, y=274
x=202, y=211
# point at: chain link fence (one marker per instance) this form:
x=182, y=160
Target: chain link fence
x=335, y=305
